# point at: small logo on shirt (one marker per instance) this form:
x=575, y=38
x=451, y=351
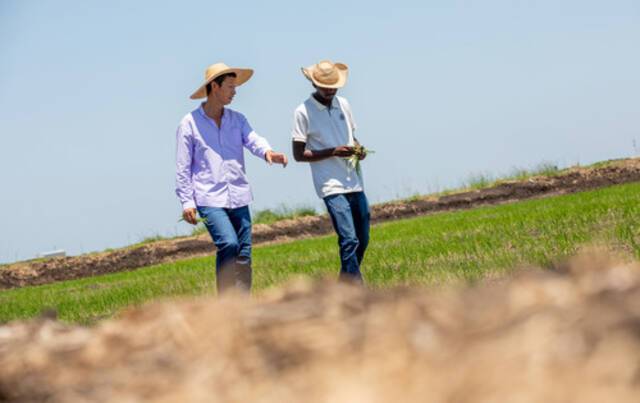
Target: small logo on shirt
x=342, y=116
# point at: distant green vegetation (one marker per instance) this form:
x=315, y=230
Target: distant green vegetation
x=151, y=239
x=542, y=169
x=282, y=213
x=602, y=164
x=442, y=248
x=481, y=181
x=269, y=216
x=487, y=180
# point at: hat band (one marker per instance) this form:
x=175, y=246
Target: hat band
x=331, y=77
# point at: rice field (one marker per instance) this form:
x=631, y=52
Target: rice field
x=445, y=248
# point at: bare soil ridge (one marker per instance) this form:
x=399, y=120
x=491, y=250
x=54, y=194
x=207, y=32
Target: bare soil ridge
x=572, y=180
x=566, y=334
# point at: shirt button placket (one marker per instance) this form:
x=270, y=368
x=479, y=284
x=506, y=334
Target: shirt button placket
x=229, y=202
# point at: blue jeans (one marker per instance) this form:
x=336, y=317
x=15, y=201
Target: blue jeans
x=350, y=216
x=230, y=229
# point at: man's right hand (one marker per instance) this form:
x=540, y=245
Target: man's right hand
x=189, y=216
x=343, y=151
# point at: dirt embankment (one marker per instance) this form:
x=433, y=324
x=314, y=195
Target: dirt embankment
x=33, y=273
x=570, y=334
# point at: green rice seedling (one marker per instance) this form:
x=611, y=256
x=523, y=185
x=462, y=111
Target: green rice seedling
x=354, y=160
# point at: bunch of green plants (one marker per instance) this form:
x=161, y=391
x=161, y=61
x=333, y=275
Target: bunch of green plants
x=354, y=160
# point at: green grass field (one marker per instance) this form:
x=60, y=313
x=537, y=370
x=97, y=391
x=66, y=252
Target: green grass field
x=437, y=249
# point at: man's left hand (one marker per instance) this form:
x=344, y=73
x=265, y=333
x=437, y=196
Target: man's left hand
x=273, y=157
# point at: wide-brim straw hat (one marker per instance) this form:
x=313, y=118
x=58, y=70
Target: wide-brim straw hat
x=218, y=69
x=327, y=74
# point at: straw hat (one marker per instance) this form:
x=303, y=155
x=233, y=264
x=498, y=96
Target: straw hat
x=218, y=69
x=327, y=74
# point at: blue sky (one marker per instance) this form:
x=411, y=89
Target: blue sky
x=91, y=94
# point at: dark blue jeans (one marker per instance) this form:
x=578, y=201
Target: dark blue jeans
x=350, y=216
x=230, y=229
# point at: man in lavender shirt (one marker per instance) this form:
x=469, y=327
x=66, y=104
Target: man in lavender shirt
x=210, y=172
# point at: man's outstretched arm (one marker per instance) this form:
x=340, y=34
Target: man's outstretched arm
x=259, y=146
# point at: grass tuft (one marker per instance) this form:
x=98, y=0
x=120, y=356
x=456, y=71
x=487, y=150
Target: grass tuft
x=479, y=181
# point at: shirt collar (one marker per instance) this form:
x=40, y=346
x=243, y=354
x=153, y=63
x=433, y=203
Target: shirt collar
x=225, y=112
x=334, y=103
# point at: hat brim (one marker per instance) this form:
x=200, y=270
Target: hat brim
x=242, y=76
x=343, y=72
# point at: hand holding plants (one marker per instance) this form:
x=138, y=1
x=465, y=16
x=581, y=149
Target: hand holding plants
x=189, y=215
x=359, y=153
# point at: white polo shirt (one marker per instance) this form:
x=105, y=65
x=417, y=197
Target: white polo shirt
x=321, y=127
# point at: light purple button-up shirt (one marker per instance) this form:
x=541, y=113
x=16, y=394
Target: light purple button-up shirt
x=210, y=167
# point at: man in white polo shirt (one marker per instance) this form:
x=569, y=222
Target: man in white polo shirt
x=323, y=130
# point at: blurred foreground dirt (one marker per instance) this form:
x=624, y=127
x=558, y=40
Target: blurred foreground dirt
x=567, y=334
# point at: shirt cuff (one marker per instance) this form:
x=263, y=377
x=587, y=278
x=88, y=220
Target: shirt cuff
x=188, y=204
